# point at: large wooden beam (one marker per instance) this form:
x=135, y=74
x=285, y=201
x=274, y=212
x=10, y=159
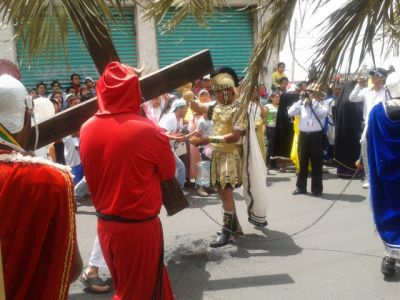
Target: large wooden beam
x=152, y=85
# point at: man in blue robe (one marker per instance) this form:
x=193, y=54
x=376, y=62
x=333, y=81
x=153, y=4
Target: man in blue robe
x=384, y=161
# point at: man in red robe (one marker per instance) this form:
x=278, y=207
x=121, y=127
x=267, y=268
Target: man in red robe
x=125, y=156
x=37, y=209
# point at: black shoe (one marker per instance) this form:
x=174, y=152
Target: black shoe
x=223, y=239
x=189, y=184
x=226, y=235
x=388, y=267
x=317, y=194
x=299, y=191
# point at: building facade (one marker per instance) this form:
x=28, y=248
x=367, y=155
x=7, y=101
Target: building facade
x=230, y=35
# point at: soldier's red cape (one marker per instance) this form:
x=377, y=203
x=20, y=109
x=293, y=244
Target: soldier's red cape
x=125, y=156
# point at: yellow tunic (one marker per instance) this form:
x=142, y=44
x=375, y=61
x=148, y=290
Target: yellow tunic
x=226, y=162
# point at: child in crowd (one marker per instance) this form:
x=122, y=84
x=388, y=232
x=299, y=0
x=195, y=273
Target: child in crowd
x=271, y=110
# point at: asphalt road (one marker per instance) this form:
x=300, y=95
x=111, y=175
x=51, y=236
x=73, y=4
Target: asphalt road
x=338, y=258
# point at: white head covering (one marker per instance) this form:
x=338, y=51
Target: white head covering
x=12, y=103
x=176, y=104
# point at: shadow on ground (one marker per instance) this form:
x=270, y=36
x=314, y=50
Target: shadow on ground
x=86, y=296
x=187, y=264
x=272, y=180
x=270, y=243
x=344, y=197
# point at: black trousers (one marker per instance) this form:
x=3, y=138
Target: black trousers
x=310, y=148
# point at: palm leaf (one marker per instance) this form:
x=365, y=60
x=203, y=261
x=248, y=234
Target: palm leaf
x=181, y=9
x=356, y=23
x=268, y=40
x=43, y=25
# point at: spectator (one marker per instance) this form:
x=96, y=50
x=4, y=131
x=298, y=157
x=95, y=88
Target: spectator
x=312, y=113
x=91, y=86
x=197, y=87
x=154, y=108
x=84, y=93
x=41, y=88
x=70, y=90
x=33, y=93
x=263, y=94
x=271, y=112
x=56, y=104
x=171, y=124
x=207, y=84
x=58, y=96
x=56, y=87
x=277, y=75
x=71, y=146
x=90, y=277
x=303, y=86
x=204, y=129
x=76, y=82
x=283, y=85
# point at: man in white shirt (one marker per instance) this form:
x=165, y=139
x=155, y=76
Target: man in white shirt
x=370, y=96
x=71, y=146
x=171, y=123
x=312, y=113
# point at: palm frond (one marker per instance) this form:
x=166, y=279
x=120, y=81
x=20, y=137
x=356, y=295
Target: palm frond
x=181, y=9
x=358, y=22
x=43, y=25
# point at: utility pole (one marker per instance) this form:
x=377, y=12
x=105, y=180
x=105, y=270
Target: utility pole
x=294, y=49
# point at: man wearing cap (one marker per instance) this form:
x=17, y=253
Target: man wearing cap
x=312, y=113
x=125, y=156
x=37, y=208
x=171, y=123
x=90, y=85
x=369, y=96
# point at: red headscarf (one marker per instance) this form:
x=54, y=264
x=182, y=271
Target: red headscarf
x=118, y=90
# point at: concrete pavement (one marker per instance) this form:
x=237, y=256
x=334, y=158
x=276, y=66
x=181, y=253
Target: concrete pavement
x=338, y=258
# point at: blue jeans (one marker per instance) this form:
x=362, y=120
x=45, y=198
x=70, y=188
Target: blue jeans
x=77, y=171
x=180, y=172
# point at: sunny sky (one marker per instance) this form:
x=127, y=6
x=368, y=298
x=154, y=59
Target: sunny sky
x=307, y=35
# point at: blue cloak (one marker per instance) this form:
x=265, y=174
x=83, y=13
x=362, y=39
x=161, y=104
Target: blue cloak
x=384, y=162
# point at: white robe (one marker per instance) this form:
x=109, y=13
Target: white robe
x=254, y=171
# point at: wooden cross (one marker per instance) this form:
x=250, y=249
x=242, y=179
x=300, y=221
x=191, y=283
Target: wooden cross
x=152, y=85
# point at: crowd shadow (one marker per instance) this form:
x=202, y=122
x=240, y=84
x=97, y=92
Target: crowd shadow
x=187, y=268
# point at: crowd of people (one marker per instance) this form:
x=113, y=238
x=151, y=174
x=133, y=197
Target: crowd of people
x=203, y=139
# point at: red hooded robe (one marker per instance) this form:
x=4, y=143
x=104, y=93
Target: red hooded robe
x=125, y=156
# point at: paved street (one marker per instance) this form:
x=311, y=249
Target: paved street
x=338, y=258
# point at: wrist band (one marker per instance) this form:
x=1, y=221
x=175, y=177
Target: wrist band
x=216, y=139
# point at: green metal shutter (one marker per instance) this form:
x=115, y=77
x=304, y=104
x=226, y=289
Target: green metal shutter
x=229, y=36
x=79, y=61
